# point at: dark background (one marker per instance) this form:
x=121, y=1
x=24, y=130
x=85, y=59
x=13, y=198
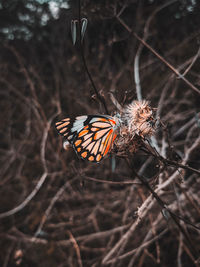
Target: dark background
x=47, y=192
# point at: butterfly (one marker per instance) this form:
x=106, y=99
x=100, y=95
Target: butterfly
x=91, y=136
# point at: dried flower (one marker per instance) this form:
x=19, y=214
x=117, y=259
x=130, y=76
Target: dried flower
x=136, y=121
x=138, y=116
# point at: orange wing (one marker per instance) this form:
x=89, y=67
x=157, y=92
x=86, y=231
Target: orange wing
x=91, y=136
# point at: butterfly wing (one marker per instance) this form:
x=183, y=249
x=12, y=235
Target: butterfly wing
x=91, y=136
x=68, y=128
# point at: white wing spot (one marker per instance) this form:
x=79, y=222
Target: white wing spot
x=79, y=123
x=66, y=144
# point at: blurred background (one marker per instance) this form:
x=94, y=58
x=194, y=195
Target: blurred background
x=57, y=210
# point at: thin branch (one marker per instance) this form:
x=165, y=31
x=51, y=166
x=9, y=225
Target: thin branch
x=194, y=88
x=137, y=57
x=100, y=97
x=76, y=247
x=192, y=63
x=27, y=200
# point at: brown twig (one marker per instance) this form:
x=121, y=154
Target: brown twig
x=194, y=88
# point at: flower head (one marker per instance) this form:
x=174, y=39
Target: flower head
x=136, y=122
x=138, y=117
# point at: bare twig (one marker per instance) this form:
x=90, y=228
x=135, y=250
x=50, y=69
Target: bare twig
x=194, y=88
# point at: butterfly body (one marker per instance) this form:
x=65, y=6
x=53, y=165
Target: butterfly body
x=91, y=136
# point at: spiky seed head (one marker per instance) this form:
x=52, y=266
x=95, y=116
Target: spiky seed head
x=136, y=121
x=139, y=117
